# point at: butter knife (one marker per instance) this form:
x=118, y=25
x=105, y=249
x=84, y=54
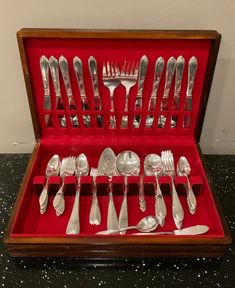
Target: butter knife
x=78, y=69
x=192, y=69
x=178, y=81
x=143, y=66
x=63, y=63
x=44, y=66
x=54, y=68
x=94, y=79
x=159, y=66
x=170, y=69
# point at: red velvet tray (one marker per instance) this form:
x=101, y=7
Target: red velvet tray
x=32, y=234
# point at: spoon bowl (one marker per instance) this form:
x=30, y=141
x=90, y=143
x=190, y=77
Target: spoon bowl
x=81, y=165
x=128, y=163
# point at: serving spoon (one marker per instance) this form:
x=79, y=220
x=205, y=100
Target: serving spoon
x=146, y=224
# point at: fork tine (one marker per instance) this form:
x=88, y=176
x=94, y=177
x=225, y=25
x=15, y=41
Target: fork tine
x=128, y=68
x=112, y=70
x=136, y=69
x=132, y=68
x=104, y=70
x=117, y=71
x=123, y=71
x=108, y=69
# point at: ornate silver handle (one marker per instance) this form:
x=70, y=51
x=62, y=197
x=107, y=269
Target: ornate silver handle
x=179, y=74
x=123, y=216
x=192, y=69
x=73, y=226
x=177, y=209
x=160, y=206
x=170, y=69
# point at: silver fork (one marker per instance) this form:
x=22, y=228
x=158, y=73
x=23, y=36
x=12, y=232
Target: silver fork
x=95, y=216
x=67, y=169
x=169, y=169
x=111, y=79
x=128, y=79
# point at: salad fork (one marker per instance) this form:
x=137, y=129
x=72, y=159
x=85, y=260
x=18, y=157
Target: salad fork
x=111, y=79
x=128, y=79
x=169, y=169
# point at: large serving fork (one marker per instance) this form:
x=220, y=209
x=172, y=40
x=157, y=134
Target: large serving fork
x=169, y=169
x=111, y=79
x=128, y=79
x=67, y=169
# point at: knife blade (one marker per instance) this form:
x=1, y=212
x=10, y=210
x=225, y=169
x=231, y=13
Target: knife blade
x=170, y=69
x=192, y=230
x=179, y=70
x=64, y=68
x=192, y=69
x=44, y=66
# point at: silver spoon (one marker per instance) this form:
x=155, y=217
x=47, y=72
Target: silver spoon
x=184, y=169
x=107, y=166
x=81, y=169
x=53, y=168
x=127, y=164
x=146, y=224
x=153, y=166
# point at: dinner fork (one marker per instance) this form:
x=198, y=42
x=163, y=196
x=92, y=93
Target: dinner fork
x=111, y=79
x=169, y=169
x=67, y=169
x=128, y=79
x=95, y=216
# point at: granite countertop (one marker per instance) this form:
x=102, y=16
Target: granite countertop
x=57, y=272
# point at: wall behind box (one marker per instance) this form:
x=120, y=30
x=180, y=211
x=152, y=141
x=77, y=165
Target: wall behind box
x=218, y=134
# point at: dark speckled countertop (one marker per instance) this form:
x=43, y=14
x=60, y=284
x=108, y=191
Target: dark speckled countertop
x=57, y=272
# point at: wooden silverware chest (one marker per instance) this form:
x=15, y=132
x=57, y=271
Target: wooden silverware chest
x=31, y=234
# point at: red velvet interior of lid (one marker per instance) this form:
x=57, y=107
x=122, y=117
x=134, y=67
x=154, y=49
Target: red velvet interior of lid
x=117, y=50
x=30, y=222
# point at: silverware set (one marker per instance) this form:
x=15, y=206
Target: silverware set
x=126, y=163
x=131, y=73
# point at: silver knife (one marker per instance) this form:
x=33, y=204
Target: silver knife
x=94, y=79
x=170, y=69
x=159, y=66
x=64, y=68
x=192, y=69
x=178, y=81
x=54, y=68
x=78, y=69
x=192, y=230
x=44, y=66
x=143, y=66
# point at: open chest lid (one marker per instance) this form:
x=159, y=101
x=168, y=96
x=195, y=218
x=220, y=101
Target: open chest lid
x=174, y=91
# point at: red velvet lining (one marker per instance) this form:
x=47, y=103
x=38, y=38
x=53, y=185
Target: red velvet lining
x=117, y=50
x=29, y=221
x=91, y=141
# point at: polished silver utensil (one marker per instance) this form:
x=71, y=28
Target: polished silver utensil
x=127, y=163
x=64, y=68
x=67, y=168
x=94, y=80
x=44, y=66
x=143, y=66
x=81, y=169
x=128, y=79
x=169, y=169
x=190, y=231
x=183, y=169
x=111, y=79
x=52, y=169
x=159, y=66
x=146, y=224
x=179, y=69
x=153, y=166
x=107, y=166
x=95, y=215
x=170, y=69
x=192, y=69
